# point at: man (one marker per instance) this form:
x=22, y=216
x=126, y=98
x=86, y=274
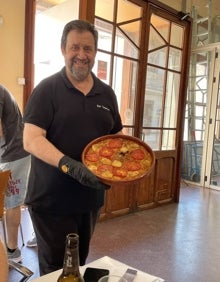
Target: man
x=64, y=113
x=16, y=159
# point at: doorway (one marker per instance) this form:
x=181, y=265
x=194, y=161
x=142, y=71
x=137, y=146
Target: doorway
x=201, y=150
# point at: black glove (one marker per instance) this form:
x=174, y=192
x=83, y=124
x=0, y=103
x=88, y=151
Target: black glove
x=79, y=172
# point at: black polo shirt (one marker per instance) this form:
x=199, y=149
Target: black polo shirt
x=71, y=121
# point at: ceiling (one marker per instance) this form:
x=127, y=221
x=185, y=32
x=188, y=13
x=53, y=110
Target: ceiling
x=46, y=4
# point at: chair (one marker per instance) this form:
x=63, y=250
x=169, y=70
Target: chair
x=4, y=177
x=26, y=272
x=3, y=263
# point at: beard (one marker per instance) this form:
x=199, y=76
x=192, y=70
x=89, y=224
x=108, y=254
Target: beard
x=80, y=69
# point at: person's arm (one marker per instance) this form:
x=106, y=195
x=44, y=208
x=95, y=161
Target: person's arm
x=36, y=143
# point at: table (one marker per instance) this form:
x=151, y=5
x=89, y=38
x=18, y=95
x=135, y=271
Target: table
x=114, y=266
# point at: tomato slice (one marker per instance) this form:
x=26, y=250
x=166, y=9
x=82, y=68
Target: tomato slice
x=92, y=157
x=138, y=154
x=115, y=143
x=132, y=165
x=106, y=152
x=120, y=172
x=104, y=167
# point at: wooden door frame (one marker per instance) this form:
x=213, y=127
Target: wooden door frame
x=30, y=8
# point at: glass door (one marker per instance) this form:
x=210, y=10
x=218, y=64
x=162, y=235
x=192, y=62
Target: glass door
x=201, y=162
x=143, y=54
x=163, y=77
x=196, y=115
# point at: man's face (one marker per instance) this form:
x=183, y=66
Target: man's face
x=79, y=54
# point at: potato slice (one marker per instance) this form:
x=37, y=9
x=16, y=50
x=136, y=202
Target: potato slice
x=117, y=163
x=106, y=161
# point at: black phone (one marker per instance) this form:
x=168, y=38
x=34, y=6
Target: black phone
x=94, y=274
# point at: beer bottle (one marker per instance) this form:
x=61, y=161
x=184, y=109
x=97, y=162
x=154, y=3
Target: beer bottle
x=71, y=271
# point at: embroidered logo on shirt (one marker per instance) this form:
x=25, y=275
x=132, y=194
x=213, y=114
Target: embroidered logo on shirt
x=103, y=107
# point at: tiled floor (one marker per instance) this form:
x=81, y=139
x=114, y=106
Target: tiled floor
x=178, y=242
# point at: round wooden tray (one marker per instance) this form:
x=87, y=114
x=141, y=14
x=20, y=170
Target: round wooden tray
x=117, y=158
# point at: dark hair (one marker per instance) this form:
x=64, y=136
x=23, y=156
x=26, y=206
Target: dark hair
x=79, y=25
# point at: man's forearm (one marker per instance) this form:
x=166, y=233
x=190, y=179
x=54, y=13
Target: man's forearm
x=41, y=148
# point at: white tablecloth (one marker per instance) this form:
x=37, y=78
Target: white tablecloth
x=114, y=266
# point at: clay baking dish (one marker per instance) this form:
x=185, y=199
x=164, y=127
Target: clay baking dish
x=118, y=158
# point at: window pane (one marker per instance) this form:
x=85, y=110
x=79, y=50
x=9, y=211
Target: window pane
x=158, y=57
x=128, y=131
x=132, y=30
x=201, y=85
x=104, y=9
x=105, y=35
x=124, y=84
x=127, y=11
x=153, y=97
x=102, y=66
x=168, y=140
x=172, y=99
x=176, y=37
x=200, y=111
x=155, y=80
x=161, y=25
x=124, y=46
x=152, y=138
x=155, y=40
x=175, y=58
